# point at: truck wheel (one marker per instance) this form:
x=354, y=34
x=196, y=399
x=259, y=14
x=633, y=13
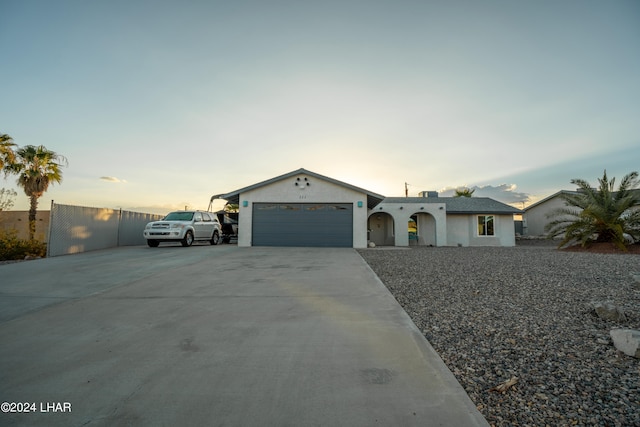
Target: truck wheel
x=153, y=243
x=188, y=239
x=215, y=238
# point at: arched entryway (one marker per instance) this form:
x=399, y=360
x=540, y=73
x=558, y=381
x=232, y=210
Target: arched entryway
x=422, y=230
x=380, y=229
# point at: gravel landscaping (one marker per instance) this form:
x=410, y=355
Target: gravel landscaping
x=520, y=319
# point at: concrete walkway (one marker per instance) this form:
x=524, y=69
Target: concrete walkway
x=216, y=336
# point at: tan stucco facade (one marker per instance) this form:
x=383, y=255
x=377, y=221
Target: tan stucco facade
x=19, y=221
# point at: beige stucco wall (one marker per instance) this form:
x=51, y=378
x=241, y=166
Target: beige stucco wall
x=19, y=221
x=432, y=222
x=463, y=231
x=505, y=228
x=458, y=230
x=535, y=218
x=319, y=191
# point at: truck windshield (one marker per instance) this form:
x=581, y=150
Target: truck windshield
x=179, y=216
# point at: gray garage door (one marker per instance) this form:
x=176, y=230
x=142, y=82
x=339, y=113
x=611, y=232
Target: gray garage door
x=303, y=224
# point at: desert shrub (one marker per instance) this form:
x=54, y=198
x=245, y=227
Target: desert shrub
x=14, y=248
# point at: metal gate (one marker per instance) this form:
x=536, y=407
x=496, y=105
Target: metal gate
x=302, y=224
x=75, y=229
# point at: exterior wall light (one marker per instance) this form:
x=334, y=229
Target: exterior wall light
x=245, y=203
x=359, y=203
x=401, y=207
x=306, y=183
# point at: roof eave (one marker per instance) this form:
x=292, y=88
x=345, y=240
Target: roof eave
x=487, y=212
x=234, y=196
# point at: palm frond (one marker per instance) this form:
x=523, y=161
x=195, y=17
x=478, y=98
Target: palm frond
x=37, y=167
x=598, y=214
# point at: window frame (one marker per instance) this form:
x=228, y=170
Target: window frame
x=486, y=219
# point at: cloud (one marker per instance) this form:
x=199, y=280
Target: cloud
x=112, y=179
x=505, y=193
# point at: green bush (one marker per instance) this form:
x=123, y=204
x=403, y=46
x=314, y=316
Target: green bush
x=13, y=248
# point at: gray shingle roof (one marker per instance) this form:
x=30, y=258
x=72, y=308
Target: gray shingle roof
x=462, y=205
x=539, y=202
x=635, y=191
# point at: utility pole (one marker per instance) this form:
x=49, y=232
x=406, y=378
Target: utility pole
x=406, y=190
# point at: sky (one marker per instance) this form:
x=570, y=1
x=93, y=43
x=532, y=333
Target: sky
x=158, y=105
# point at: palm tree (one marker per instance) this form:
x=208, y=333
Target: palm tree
x=36, y=167
x=598, y=214
x=464, y=192
x=231, y=207
x=7, y=153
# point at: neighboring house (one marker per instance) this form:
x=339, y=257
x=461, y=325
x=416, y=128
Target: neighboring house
x=303, y=208
x=535, y=216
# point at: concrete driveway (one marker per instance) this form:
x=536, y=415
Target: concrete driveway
x=216, y=336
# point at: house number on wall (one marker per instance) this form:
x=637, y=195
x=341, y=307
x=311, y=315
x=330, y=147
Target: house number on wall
x=302, y=184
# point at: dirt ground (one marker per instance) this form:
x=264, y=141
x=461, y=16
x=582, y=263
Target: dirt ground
x=599, y=248
x=605, y=248
x=596, y=248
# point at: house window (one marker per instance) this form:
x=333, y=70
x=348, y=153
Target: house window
x=265, y=207
x=485, y=225
x=290, y=207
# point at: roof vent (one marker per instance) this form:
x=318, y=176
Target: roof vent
x=431, y=194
